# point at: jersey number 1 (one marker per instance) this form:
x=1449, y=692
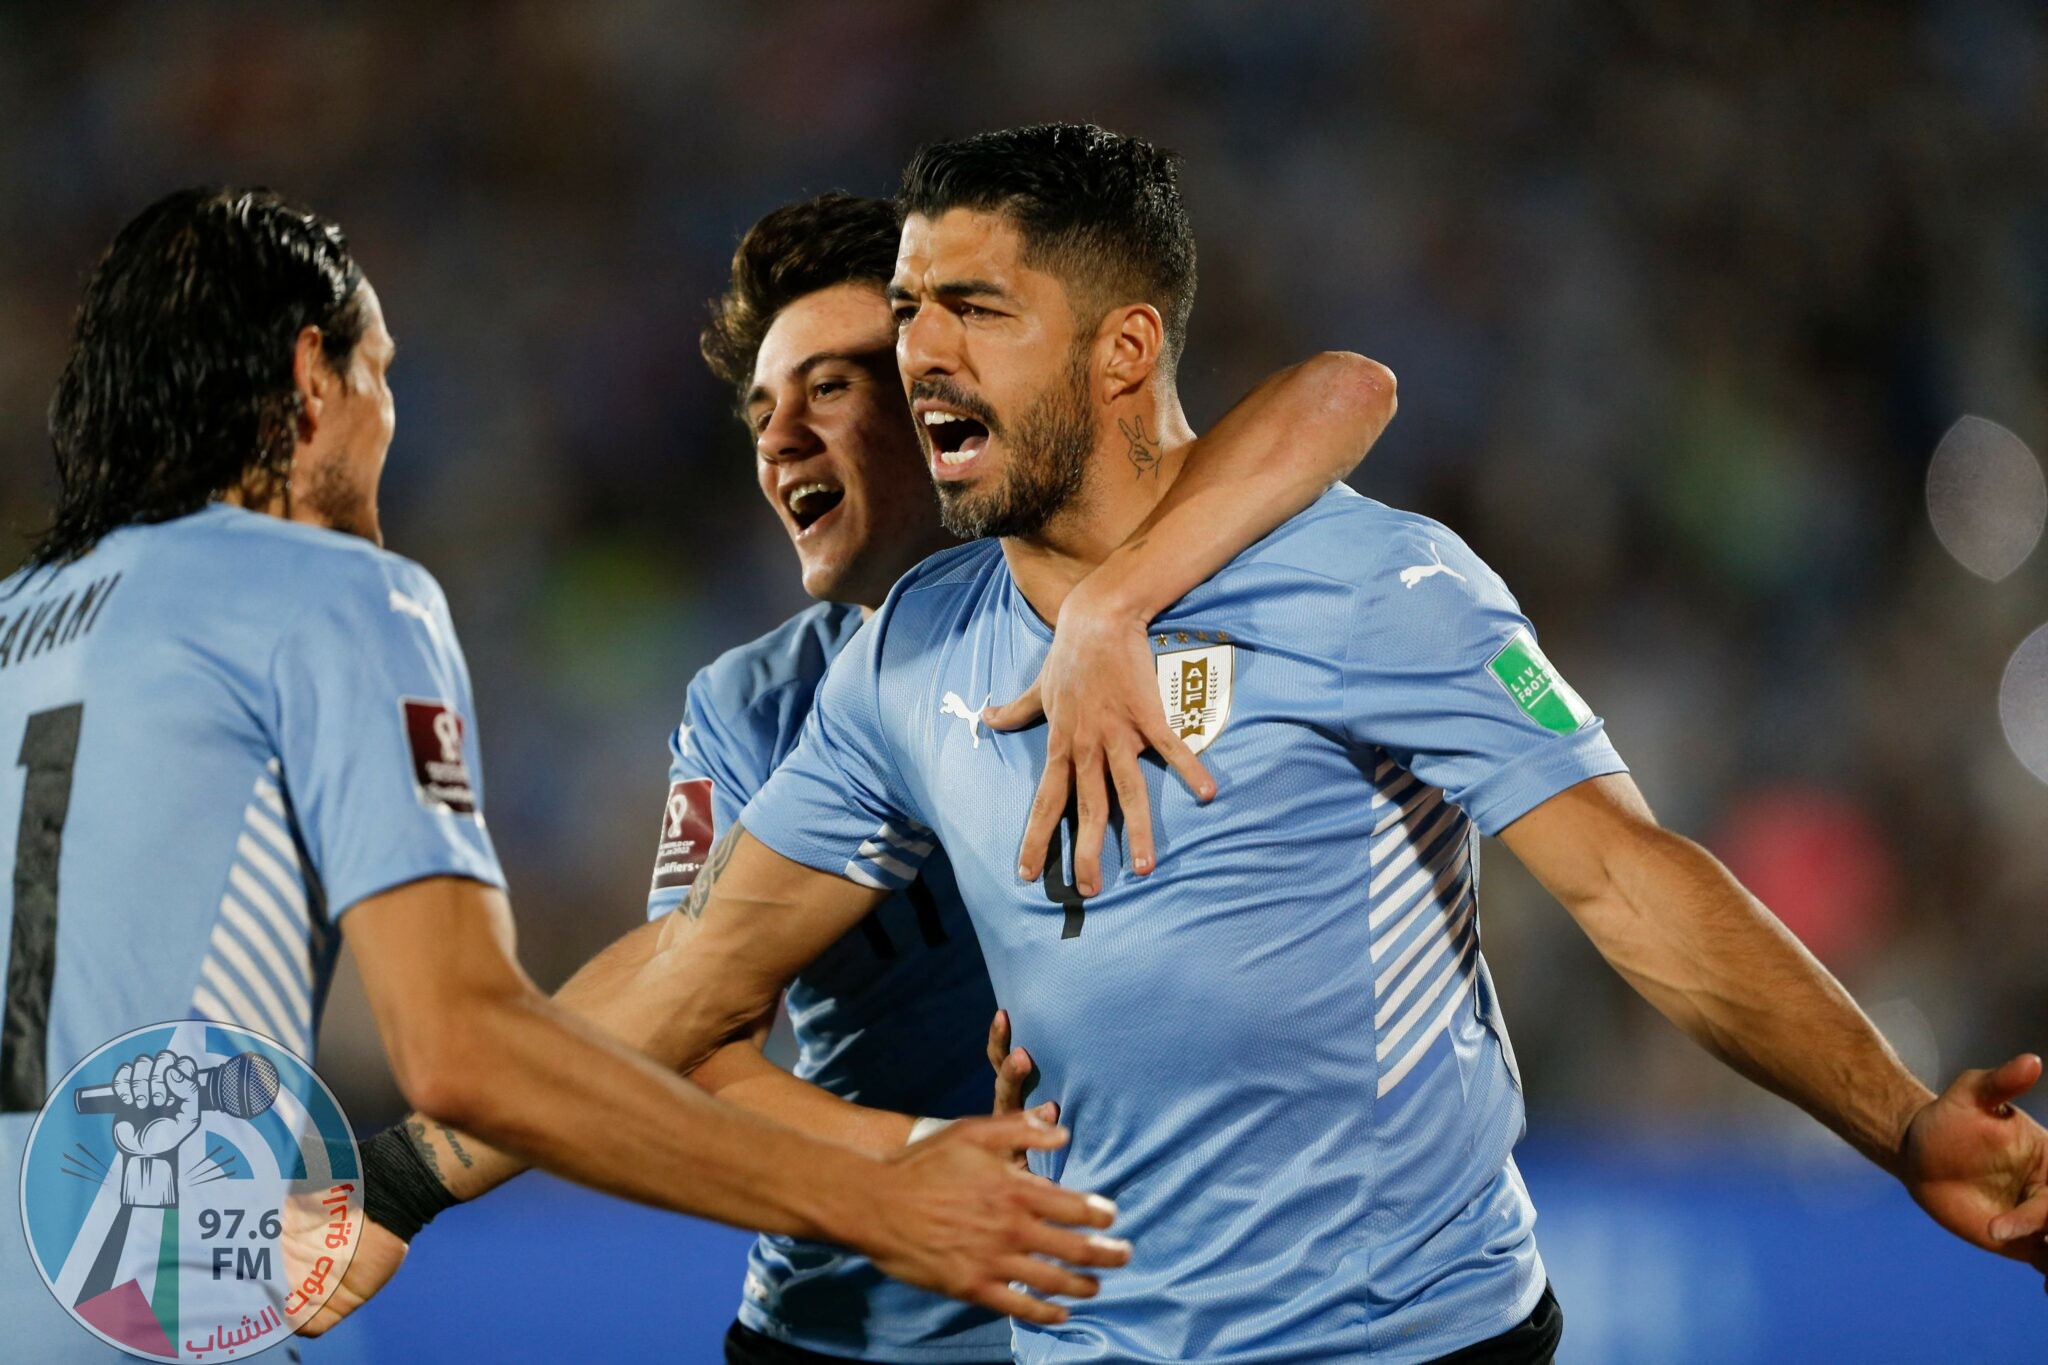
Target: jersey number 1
x=49, y=748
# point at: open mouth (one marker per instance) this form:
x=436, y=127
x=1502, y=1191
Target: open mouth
x=811, y=503
x=956, y=438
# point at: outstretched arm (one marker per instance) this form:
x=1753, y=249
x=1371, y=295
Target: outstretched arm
x=611, y=992
x=1272, y=455
x=473, y=1044
x=1712, y=959
x=476, y=1048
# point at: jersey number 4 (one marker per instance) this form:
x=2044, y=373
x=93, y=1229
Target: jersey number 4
x=1059, y=878
x=49, y=749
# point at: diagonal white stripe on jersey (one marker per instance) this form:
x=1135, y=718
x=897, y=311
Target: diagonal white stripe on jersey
x=291, y=942
x=856, y=873
x=1394, y=1075
x=282, y=882
x=207, y=1005
x=274, y=835
x=889, y=864
x=1412, y=848
x=258, y=899
x=1449, y=861
x=1452, y=934
x=920, y=844
x=239, y=1010
x=269, y=796
x=1412, y=813
x=1397, y=791
x=251, y=933
x=1454, y=882
x=1457, y=972
x=283, y=1028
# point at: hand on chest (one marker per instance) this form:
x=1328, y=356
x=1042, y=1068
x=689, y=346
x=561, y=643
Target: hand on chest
x=1214, y=692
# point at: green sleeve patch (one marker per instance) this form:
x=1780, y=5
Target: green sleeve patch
x=1532, y=684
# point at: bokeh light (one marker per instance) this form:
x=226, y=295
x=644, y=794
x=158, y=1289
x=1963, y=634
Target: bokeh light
x=2023, y=703
x=1986, y=497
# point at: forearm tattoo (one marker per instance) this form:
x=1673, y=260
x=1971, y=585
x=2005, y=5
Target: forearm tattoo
x=700, y=890
x=416, y=1135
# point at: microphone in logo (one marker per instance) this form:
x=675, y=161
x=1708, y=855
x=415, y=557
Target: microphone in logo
x=244, y=1086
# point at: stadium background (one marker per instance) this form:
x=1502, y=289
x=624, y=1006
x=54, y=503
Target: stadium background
x=1682, y=300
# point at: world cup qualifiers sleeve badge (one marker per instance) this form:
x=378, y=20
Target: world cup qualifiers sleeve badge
x=440, y=773
x=191, y=1191
x=685, y=834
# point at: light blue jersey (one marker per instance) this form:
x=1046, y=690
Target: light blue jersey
x=894, y=1015
x=230, y=729
x=1281, y=1053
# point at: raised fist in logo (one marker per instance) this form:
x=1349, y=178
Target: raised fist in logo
x=158, y=1100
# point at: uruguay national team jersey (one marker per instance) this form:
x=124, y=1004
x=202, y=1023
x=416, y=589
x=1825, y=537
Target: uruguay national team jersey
x=1281, y=1053
x=231, y=728
x=895, y=1015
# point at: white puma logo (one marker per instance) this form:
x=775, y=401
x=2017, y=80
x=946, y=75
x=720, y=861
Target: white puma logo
x=1410, y=577
x=951, y=705
x=409, y=606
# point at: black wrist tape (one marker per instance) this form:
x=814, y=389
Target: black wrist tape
x=399, y=1189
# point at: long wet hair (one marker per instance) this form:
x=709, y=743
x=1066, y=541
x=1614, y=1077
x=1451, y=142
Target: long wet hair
x=179, y=385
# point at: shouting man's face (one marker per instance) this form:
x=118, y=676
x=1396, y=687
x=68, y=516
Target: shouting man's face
x=998, y=372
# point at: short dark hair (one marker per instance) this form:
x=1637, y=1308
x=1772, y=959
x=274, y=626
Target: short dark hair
x=832, y=239
x=1100, y=209
x=179, y=383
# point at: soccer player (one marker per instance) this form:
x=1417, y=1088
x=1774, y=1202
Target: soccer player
x=244, y=723
x=1280, y=1050
x=892, y=1015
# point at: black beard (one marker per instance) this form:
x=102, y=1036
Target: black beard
x=1048, y=461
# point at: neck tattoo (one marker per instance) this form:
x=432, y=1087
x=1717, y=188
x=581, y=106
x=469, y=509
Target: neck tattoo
x=1144, y=452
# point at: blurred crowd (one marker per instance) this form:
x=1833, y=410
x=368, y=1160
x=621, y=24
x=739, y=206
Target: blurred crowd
x=1682, y=299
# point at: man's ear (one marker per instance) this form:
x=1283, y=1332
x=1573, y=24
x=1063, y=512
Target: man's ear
x=1136, y=335
x=313, y=378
